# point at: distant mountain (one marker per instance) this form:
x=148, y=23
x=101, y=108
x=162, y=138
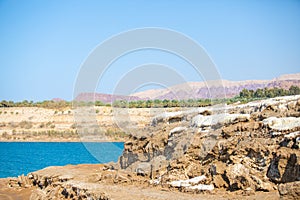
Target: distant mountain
x=105, y=98
x=196, y=90
x=57, y=99
x=232, y=88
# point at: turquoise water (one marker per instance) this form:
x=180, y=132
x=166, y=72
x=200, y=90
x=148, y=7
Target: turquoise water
x=17, y=158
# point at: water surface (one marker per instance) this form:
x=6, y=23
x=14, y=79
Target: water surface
x=17, y=158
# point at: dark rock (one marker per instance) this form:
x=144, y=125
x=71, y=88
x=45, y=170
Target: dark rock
x=213, y=170
x=127, y=159
x=273, y=172
x=296, y=143
x=292, y=170
x=65, y=193
x=284, y=142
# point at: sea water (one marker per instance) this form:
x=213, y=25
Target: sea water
x=17, y=158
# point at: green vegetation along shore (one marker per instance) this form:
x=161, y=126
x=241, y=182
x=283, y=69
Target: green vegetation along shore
x=244, y=96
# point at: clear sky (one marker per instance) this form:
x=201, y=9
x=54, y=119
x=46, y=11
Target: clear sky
x=44, y=43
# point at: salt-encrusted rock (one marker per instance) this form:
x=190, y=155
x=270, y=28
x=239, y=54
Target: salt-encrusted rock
x=192, y=184
x=188, y=182
x=292, y=135
x=211, y=120
x=177, y=130
x=155, y=181
x=169, y=117
x=201, y=121
x=201, y=187
x=282, y=124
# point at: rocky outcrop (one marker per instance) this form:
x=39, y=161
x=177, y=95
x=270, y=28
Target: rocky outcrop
x=249, y=147
x=60, y=183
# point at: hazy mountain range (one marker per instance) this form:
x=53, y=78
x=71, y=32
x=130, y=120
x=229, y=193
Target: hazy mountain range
x=199, y=89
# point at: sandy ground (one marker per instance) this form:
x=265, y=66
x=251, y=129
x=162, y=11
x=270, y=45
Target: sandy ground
x=119, y=191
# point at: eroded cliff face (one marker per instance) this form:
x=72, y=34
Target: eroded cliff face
x=241, y=149
x=248, y=148
x=42, y=124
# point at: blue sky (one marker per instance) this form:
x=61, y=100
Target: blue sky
x=44, y=43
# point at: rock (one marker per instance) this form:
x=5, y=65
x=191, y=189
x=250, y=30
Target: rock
x=143, y=168
x=24, y=181
x=238, y=177
x=291, y=105
x=177, y=145
x=289, y=191
x=282, y=124
x=213, y=170
x=220, y=167
x=218, y=119
x=177, y=130
x=111, y=166
x=159, y=162
x=219, y=182
x=292, y=134
x=127, y=159
x=187, y=183
x=283, y=170
x=201, y=187
x=201, y=121
x=273, y=171
x=238, y=170
x=292, y=170
x=261, y=185
x=265, y=186
x=169, y=117
x=155, y=181
x=197, y=179
x=140, y=172
x=296, y=144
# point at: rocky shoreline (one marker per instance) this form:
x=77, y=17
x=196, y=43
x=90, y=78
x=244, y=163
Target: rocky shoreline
x=241, y=151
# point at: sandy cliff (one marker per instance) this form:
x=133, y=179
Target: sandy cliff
x=41, y=124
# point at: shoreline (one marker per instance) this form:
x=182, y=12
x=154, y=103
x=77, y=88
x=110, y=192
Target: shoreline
x=65, y=141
